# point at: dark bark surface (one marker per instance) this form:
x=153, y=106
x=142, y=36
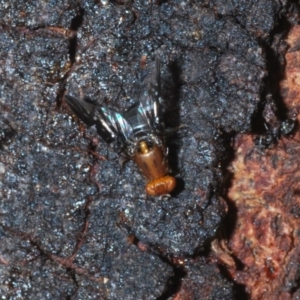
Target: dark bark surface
x=74, y=222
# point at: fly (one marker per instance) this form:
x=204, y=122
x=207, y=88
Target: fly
x=138, y=132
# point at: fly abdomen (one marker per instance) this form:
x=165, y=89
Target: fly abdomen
x=161, y=186
x=151, y=161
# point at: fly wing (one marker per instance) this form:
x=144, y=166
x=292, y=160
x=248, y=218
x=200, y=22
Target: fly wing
x=151, y=99
x=136, y=116
x=110, y=124
x=113, y=122
x=84, y=110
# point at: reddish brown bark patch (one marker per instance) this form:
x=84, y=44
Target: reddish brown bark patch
x=266, y=193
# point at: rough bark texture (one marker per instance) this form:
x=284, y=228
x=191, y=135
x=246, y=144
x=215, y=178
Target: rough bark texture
x=265, y=192
x=75, y=222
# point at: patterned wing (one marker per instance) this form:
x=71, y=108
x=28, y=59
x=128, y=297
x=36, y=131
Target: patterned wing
x=151, y=99
x=113, y=122
x=144, y=116
x=110, y=124
x=84, y=110
x=137, y=117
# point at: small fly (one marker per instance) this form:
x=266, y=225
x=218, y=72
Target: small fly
x=138, y=132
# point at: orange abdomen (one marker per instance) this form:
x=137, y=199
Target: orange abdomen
x=161, y=186
x=153, y=164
